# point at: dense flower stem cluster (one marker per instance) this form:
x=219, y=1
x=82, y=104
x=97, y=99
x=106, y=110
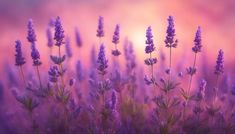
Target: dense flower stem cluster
x=67, y=107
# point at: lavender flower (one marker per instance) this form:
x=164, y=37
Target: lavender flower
x=59, y=32
x=102, y=61
x=170, y=41
x=31, y=33
x=191, y=71
x=53, y=74
x=49, y=38
x=116, y=35
x=197, y=41
x=35, y=56
x=78, y=38
x=19, y=59
x=219, y=68
x=79, y=71
x=68, y=48
x=149, y=42
x=100, y=30
x=114, y=100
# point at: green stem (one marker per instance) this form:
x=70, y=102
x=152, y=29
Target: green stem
x=39, y=77
x=61, y=68
x=191, y=76
x=22, y=74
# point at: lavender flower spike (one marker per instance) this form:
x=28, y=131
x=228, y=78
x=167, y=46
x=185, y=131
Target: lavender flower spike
x=170, y=41
x=35, y=56
x=102, y=61
x=59, y=32
x=100, y=30
x=49, y=38
x=219, y=68
x=19, y=59
x=53, y=74
x=78, y=38
x=197, y=41
x=116, y=35
x=150, y=46
x=31, y=33
x=68, y=48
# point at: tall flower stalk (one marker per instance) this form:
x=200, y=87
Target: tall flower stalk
x=34, y=53
x=19, y=59
x=196, y=49
x=59, y=38
x=219, y=69
x=170, y=41
x=115, y=40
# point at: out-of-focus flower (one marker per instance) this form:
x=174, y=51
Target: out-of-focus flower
x=68, y=48
x=197, y=41
x=219, y=68
x=31, y=33
x=170, y=41
x=79, y=71
x=100, y=30
x=35, y=56
x=191, y=70
x=19, y=59
x=114, y=100
x=59, y=32
x=53, y=74
x=49, y=37
x=149, y=42
x=78, y=38
x=116, y=34
x=150, y=61
x=102, y=61
x=116, y=52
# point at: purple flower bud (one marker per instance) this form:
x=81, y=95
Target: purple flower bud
x=191, y=70
x=102, y=61
x=100, y=30
x=116, y=35
x=19, y=59
x=149, y=42
x=197, y=41
x=116, y=52
x=150, y=61
x=59, y=32
x=170, y=41
x=79, y=71
x=35, y=56
x=53, y=74
x=31, y=33
x=68, y=48
x=219, y=68
x=49, y=38
x=78, y=38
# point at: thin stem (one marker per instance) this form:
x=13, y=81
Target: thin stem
x=170, y=59
x=151, y=66
x=61, y=68
x=22, y=74
x=191, y=76
x=216, y=88
x=39, y=77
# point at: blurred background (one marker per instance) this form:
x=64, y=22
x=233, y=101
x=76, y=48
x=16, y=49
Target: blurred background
x=216, y=19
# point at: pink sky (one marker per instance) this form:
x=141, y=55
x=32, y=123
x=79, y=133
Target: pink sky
x=217, y=20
